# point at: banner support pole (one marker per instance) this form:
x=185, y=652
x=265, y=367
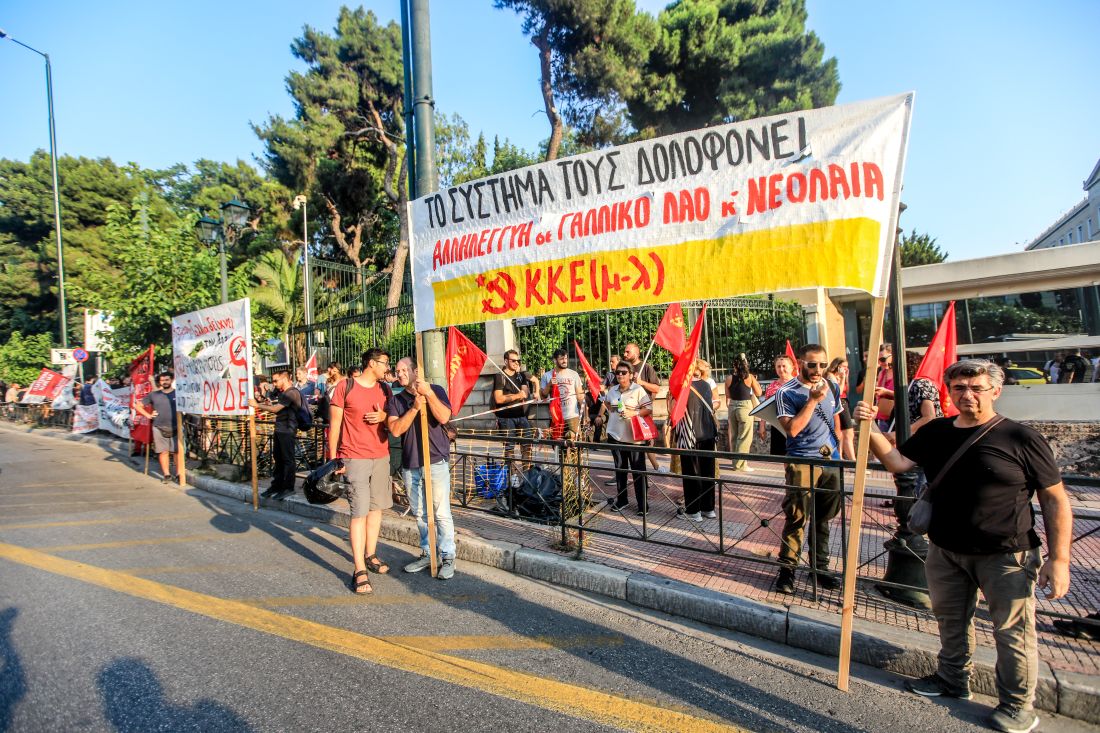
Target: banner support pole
x=147, y=449
x=252, y=459
x=426, y=459
x=863, y=445
x=181, y=456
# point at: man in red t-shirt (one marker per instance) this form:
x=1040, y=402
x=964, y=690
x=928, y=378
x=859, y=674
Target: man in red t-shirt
x=358, y=436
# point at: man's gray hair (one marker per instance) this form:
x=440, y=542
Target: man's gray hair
x=967, y=368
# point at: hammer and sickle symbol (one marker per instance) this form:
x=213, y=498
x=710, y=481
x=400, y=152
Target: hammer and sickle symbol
x=504, y=287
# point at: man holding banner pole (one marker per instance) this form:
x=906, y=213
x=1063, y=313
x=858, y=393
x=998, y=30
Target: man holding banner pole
x=159, y=407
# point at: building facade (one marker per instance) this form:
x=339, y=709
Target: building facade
x=1080, y=224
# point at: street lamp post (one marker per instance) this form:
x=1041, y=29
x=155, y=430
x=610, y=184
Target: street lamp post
x=300, y=203
x=224, y=232
x=62, y=315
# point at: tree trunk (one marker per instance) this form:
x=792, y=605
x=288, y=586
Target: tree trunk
x=542, y=43
x=397, y=273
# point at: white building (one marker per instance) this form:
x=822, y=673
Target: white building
x=1080, y=224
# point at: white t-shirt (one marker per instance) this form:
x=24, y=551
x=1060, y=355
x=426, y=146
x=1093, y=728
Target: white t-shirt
x=569, y=384
x=635, y=398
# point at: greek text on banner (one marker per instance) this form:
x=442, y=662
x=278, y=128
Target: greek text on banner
x=799, y=200
x=212, y=356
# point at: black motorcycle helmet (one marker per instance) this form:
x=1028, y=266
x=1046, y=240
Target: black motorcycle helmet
x=323, y=486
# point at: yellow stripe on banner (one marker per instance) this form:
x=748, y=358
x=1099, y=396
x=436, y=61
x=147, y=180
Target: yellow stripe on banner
x=566, y=699
x=841, y=253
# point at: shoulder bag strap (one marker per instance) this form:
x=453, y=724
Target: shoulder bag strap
x=978, y=435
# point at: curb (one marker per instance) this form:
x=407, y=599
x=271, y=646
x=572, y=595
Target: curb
x=903, y=652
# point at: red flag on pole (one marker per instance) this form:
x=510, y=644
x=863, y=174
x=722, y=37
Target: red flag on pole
x=464, y=363
x=594, y=381
x=311, y=368
x=941, y=354
x=679, y=381
x=792, y=357
x=557, y=419
x=670, y=334
x=141, y=383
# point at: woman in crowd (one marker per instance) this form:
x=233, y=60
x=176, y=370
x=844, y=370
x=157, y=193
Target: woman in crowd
x=742, y=394
x=784, y=372
x=622, y=403
x=837, y=373
x=697, y=430
x=702, y=371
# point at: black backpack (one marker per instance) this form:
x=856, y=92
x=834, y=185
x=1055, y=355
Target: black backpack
x=302, y=414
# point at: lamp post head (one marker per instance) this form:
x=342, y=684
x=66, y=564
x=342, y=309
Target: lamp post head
x=209, y=230
x=3, y=33
x=299, y=201
x=235, y=213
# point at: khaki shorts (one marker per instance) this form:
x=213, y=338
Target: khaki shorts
x=368, y=485
x=162, y=444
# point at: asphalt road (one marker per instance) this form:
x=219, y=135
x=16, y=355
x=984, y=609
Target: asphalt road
x=130, y=606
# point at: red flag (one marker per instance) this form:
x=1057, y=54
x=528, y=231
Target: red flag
x=45, y=388
x=557, y=419
x=141, y=382
x=680, y=380
x=594, y=381
x=670, y=334
x=311, y=368
x=941, y=354
x=464, y=363
x=792, y=357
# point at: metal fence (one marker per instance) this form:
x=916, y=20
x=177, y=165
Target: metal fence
x=341, y=290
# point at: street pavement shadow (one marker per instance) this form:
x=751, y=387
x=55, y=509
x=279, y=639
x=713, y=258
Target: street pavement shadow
x=676, y=675
x=134, y=702
x=285, y=529
x=13, y=680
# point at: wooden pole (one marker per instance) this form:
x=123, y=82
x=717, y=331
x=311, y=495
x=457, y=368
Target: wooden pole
x=181, y=463
x=426, y=460
x=252, y=457
x=147, y=444
x=863, y=446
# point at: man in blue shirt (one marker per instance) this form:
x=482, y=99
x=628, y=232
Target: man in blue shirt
x=809, y=410
x=404, y=410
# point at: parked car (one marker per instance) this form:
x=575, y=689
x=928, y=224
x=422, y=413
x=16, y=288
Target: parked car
x=1026, y=375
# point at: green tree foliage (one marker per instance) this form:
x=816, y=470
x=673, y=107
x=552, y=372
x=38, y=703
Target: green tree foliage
x=28, y=250
x=22, y=357
x=920, y=249
x=591, y=57
x=278, y=290
x=718, y=61
x=345, y=145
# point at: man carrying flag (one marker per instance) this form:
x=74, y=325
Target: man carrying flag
x=512, y=388
x=564, y=387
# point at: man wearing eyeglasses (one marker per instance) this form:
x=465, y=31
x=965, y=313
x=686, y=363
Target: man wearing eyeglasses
x=982, y=537
x=809, y=410
x=511, y=389
x=359, y=438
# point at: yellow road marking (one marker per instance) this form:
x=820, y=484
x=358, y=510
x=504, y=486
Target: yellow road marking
x=144, y=500
x=504, y=641
x=354, y=600
x=130, y=543
x=88, y=522
x=81, y=492
x=165, y=569
x=566, y=699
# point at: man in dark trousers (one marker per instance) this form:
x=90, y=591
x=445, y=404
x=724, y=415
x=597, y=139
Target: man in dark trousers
x=982, y=537
x=159, y=407
x=287, y=401
x=513, y=386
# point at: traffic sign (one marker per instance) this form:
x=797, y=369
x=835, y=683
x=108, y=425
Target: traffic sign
x=62, y=357
x=80, y=355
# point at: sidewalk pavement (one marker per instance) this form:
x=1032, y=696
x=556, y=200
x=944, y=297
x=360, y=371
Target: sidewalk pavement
x=728, y=591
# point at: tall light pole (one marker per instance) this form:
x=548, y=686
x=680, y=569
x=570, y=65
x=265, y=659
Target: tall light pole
x=224, y=232
x=300, y=203
x=62, y=316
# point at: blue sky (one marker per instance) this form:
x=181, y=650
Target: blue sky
x=1004, y=130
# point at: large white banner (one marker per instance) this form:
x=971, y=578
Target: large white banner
x=792, y=201
x=114, y=409
x=212, y=356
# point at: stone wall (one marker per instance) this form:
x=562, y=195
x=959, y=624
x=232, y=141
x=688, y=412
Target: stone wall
x=1076, y=445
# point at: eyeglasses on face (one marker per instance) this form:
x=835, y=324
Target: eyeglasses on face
x=513, y=359
x=816, y=364
x=961, y=389
x=623, y=374
x=384, y=362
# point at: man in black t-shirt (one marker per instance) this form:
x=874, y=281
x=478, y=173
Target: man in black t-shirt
x=513, y=387
x=1074, y=368
x=159, y=407
x=285, y=407
x=982, y=537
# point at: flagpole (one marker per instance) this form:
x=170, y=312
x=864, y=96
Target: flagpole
x=501, y=369
x=495, y=409
x=426, y=458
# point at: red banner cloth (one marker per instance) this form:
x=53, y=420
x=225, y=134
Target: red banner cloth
x=141, y=383
x=594, y=381
x=670, y=334
x=464, y=363
x=311, y=368
x=557, y=418
x=679, y=382
x=45, y=388
x=792, y=357
x=941, y=354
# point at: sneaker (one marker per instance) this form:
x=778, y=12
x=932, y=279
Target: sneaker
x=613, y=506
x=270, y=492
x=419, y=564
x=447, y=569
x=828, y=582
x=641, y=512
x=784, y=582
x=696, y=517
x=1012, y=720
x=710, y=514
x=662, y=469
x=935, y=686
x=166, y=479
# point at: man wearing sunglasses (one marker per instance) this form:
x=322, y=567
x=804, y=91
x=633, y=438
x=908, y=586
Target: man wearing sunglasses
x=511, y=389
x=809, y=410
x=982, y=536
